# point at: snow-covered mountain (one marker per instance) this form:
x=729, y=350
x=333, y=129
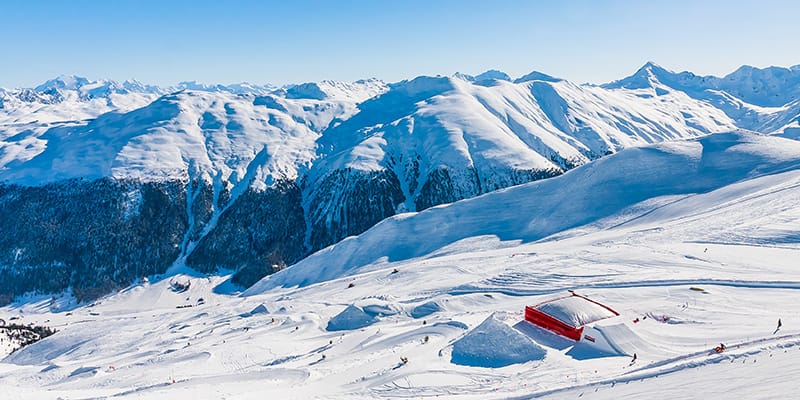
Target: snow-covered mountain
x=768, y=87
x=764, y=100
x=210, y=146
x=430, y=141
x=582, y=196
x=694, y=243
x=253, y=178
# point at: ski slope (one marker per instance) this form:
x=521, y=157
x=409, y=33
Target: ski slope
x=579, y=197
x=700, y=248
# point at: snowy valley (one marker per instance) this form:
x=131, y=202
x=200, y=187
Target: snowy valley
x=390, y=236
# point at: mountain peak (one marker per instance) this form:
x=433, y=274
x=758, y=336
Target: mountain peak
x=488, y=75
x=492, y=74
x=653, y=69
x=651, y=65
x=357, y=91
x=195, y=85
x=647, y=76
x=537, y=76
x=771, y=71
x=308, y=90
x=63, y=82
x=768, y=87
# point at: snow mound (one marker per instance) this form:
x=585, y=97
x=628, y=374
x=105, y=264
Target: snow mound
x=260, y=309
x=587, y=351
x=575, y=310
x=611, y=340
x=425, y=309
x=493, y=344
x=378, y=308
x=350, y=318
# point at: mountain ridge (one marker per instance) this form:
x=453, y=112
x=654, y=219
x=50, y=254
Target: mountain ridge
x=273, y=176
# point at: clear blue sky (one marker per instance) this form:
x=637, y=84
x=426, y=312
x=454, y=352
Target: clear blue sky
x=290, y=41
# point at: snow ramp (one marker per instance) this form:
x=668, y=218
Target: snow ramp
x=613, y=339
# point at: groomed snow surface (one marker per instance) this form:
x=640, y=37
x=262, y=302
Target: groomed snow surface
x=696, y=241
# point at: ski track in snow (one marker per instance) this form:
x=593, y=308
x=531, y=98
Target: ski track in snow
x=619, y=285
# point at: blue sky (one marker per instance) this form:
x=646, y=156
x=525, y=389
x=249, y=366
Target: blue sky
x=167, y=41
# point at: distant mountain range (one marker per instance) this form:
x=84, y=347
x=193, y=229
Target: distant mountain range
x=106, y=182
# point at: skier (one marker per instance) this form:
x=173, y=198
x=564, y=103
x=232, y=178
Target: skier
x=634, y=358
x=779, y=326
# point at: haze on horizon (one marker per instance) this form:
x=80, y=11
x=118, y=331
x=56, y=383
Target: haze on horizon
x=165, y=42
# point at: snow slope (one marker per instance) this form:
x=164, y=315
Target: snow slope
x=767, y=87
x=487, y=123
x=211, y=135
x=359, y=152
x=535, y=123
x=538, y=122
x=146, y=124
x=544, y=208
x=707, y=255
x=763, y=100
x=209, y=146
x=188, y=134
x=483, y=137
